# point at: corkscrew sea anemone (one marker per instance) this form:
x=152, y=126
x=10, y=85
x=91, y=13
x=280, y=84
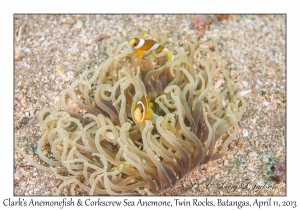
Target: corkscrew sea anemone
x=93, y=141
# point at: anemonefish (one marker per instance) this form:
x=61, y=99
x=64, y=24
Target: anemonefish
x=142, y=110
x=142, y=45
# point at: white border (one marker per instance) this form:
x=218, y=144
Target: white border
x=154, y=6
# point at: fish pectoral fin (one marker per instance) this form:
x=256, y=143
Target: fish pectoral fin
x=139, y=53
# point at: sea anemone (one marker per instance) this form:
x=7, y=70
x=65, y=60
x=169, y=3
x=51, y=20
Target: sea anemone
x=96, y=144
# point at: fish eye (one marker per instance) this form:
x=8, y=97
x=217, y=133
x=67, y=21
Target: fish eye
x=135, y=44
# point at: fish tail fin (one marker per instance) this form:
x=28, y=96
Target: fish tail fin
x=169, y=54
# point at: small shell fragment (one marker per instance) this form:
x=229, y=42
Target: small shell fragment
x=60, y=70
x=18, y=54
x=78, y=26
x=245, y=92
x=271, y=72
x=245, y=133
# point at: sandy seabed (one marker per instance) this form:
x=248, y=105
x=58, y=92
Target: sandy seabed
x=51, y=51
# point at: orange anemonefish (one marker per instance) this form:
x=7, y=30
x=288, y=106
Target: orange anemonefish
x=142, y=45
x=142, y=110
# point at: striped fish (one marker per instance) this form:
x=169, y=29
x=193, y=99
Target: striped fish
x=142, y=45
x=142, y=110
